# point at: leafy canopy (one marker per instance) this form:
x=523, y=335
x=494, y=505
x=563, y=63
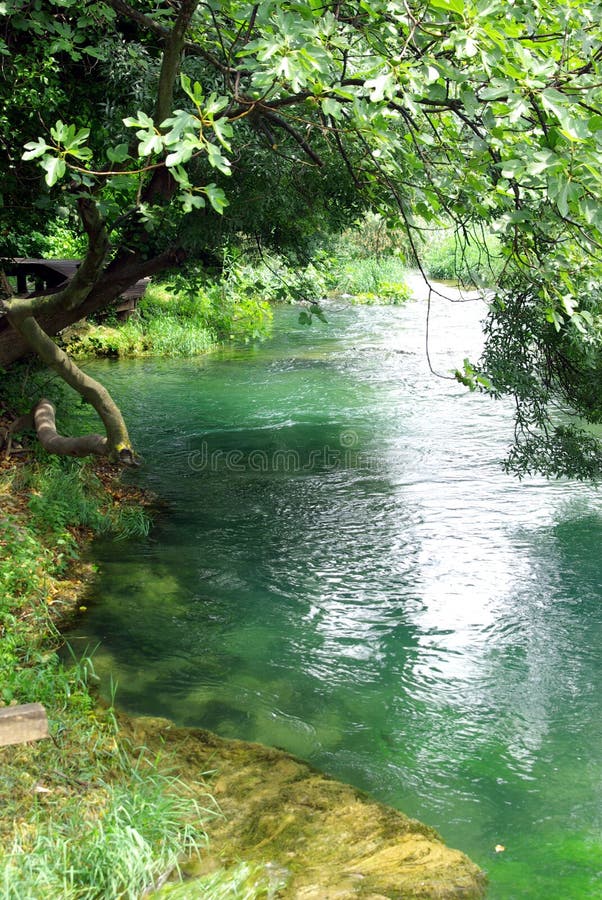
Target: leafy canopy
x=290, y=118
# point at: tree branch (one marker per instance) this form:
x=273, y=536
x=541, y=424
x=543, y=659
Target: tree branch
x=128, y=12
x=279, y=122
x=86, y=276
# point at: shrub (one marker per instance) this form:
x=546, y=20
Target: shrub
x=448, y=257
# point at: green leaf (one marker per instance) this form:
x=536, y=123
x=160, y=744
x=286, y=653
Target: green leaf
x=512, y=167
x=54, y=167
x=180, y=175
x=380, y=87
x=456, y=6
x=544, y=161
x=140, y=121
x=75, y=138
x=33, y=149
x=191, y=201
x=150, y=143
x=215, y=104
x=194, y=91
x=554, y=101
x=555, y=318
x=223, y=130
x=182, y=155
x=330, y=107
x=217, y=198
x=180, y=124
x=118, y=154
x=60, y=131
x=217, y=160
x=562, y=199
x=318, y=313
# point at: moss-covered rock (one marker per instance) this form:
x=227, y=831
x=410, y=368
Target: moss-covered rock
x=318, y=838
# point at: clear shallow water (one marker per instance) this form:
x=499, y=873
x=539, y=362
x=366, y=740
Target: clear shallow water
x=344, y=571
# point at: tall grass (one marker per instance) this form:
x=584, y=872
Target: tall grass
x=135, y=836
x=84, y=815
x=370, y=279
x=449, y=256
x=171, y=321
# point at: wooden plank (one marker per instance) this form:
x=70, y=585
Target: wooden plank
x=65, y=267
x=55, y=273
x=23, y=723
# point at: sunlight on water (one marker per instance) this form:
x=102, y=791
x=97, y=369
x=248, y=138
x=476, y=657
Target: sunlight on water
x=344, y=571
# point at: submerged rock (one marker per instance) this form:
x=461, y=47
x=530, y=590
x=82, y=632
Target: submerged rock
x=314, y=838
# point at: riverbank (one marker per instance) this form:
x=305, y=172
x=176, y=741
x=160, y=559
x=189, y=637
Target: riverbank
x=171, y=321
x=85, y=814
x=179, y=319
x=112, y=806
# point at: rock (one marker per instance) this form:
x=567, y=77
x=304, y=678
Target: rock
x=327, y=840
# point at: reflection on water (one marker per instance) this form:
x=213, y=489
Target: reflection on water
x=345, y=572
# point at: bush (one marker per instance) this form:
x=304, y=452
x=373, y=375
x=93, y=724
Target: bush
x=371, y=280
x=174, y=319
x=449, y=257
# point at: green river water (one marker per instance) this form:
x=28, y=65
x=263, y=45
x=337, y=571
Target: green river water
x=344, y=571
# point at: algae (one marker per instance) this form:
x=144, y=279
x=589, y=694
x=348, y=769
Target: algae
x=300, y=833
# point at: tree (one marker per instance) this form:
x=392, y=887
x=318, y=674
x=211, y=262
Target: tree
x=206, y=121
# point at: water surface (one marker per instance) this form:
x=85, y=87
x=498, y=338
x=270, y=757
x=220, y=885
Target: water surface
x=344, y=571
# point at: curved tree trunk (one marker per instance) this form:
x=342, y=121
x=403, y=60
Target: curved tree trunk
x=26, y=323
x=116, y=445
x=53, y=442
x=116, y=278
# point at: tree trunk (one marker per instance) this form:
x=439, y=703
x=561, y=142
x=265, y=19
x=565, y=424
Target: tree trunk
x=117, y=444
x=53, y=442
x=117, y=277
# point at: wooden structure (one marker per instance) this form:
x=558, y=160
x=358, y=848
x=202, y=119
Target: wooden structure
x=52, y=275
x=19, y=724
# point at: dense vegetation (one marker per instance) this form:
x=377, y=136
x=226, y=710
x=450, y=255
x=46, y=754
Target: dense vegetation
x=178, y=140
x=175, y=133
x=83, y=815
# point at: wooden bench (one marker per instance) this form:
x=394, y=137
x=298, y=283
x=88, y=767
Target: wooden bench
x=53, y=274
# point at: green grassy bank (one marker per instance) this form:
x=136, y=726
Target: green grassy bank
x=84, y=814
x=179, y=319
x=171, y=321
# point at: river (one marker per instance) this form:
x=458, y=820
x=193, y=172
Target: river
x=344, y=571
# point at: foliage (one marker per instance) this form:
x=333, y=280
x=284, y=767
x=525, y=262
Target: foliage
x=371, y=237
x=138, y=833
x=83, y=815
x=287, y=121
x=65, y=495
x=542, y=355
x=447, y=256
x=60, y=240
x=171, y=322
x=370, y=280
x=367, y=262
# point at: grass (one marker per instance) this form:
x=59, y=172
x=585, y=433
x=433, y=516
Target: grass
x=244, y=881
x=370, y=280
x=84, y=815
x=449, y=258
x=118, y=839
x=172, y=322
